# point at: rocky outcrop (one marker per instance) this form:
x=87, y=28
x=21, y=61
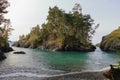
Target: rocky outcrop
x=3, y=50
x=6, y=49
x=113, y=73
x=111, y=42
x=54, y=46
x=2, y=56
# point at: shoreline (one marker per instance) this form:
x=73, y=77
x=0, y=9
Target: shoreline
x=83, y=75
x=69, y=76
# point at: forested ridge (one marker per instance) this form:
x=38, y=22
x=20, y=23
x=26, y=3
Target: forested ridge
x=63, y=31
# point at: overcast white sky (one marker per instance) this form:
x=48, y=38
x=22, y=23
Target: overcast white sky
x=25, y=14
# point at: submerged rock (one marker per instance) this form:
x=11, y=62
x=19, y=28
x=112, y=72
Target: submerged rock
x=19, y=52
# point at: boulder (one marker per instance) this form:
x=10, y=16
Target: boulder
x=6, y=48
x=2, y=56
x=3, y=50
x=113, y=73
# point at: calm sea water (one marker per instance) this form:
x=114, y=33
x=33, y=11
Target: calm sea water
x=63, y=61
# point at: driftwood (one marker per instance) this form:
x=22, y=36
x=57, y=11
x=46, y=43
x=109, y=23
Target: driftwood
x=113, y=73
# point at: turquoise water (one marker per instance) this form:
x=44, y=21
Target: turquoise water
x=64, y=61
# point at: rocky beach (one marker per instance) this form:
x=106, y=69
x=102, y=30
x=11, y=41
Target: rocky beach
x=29, y=74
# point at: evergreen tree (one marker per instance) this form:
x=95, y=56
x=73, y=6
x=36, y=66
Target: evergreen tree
x=68, y=31
x=5, y=27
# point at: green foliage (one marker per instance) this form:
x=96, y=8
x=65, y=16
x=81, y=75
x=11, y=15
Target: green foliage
x=112, y=41
x=63, y=29
x=32, y=38
x=5, y=27
x=70, y=26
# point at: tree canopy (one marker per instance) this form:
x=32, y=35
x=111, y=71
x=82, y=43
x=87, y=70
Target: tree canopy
x=5, y=27
x=65, y=30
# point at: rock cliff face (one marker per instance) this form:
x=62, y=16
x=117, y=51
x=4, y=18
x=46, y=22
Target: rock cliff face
x=111, y=42
x=54, y=46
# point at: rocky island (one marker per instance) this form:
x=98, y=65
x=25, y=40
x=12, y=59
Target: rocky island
x=62, y=32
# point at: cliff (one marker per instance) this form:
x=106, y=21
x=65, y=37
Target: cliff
x=111, y=42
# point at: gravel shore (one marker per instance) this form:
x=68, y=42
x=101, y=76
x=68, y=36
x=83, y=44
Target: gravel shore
x=86, y=75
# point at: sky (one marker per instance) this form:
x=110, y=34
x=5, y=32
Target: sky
x=25, y=14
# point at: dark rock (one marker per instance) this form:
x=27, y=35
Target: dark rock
x=113, y=73
x=3, y=50
x=19, y=52
x=2, y=56
x=6, y=48
x=79, y=48
x=53, y=46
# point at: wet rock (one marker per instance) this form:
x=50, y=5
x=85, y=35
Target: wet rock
x=6, y=48
x=2, y=56
x=19, y=52
x=113, y=73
